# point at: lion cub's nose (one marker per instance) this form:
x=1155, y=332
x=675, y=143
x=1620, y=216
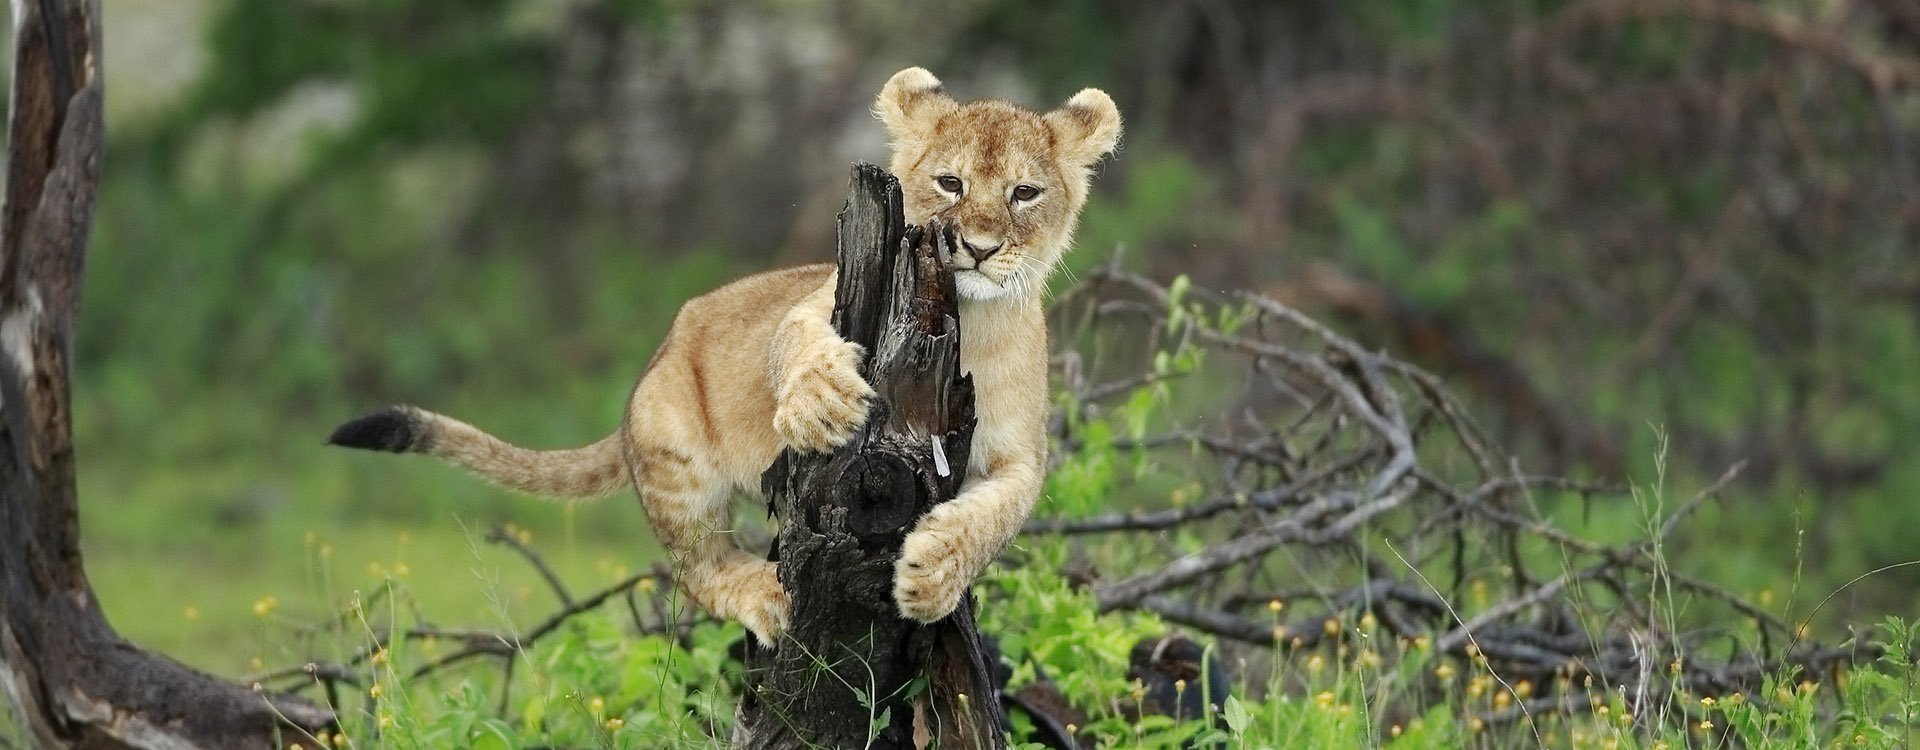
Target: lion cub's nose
x=980, y=254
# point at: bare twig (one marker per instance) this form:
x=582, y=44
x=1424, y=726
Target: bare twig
x=1291, y=530
x=500, y=535
x=506, y=644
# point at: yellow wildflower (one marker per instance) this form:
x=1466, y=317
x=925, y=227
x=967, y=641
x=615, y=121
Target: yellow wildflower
x=265, y=605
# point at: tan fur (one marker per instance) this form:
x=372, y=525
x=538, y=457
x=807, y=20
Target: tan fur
x=755, y=366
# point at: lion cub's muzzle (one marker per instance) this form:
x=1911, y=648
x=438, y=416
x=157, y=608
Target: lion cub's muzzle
x=981, y=250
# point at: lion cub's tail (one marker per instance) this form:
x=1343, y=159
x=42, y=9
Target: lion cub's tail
x=587, y=472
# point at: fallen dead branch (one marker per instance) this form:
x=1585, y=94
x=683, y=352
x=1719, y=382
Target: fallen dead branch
x=1328, y=456
x=664, y=616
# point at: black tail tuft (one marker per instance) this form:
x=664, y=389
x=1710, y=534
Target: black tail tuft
x=391, y=429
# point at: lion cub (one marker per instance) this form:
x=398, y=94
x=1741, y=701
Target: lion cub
x=755, y=366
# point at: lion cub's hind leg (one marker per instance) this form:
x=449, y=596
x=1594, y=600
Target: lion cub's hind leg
x=688, y=503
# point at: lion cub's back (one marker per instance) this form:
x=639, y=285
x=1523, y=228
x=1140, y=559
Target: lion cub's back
x=706, y=392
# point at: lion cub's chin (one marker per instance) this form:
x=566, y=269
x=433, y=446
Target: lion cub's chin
x=974, y=285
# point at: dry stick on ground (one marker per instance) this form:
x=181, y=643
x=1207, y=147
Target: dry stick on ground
x=840, y=676
x=1345, y=428
x=508, y=644
x=479, y=642
x=501, y=535
x=71, y=680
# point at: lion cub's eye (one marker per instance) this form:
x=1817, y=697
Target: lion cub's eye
x=949, y=183
x=1024, y=193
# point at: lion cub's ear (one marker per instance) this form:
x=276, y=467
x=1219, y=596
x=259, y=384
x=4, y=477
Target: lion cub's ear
x=1088, y=126
x=911, y=103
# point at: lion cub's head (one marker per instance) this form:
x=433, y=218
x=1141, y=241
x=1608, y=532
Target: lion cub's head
x=1011, y=179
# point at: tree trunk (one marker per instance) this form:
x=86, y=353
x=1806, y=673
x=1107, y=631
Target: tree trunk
x=851, y=672
x=69, y=679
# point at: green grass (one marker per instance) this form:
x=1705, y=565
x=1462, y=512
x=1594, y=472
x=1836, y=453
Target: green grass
x=596, y=684
x=201, y=606
x=183, y=535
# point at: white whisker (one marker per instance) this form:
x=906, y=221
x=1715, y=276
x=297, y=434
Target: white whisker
x=1072, y=278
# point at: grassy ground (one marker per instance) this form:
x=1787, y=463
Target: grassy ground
x=204, y=605
x=596, y=684
x=180, y=557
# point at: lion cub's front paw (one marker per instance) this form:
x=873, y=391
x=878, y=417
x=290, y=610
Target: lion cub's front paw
x=929, y=579
x=824, y=400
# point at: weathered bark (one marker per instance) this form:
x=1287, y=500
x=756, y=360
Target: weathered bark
x=70, y=681
x=846, y=675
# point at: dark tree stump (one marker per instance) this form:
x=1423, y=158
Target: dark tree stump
x=70, y=681
x=851, y=672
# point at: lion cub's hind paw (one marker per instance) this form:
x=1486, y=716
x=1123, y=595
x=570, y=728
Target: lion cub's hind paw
x=767, y=617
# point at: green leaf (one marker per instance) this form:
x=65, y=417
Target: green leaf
x=1236, y=715
x=1178, y=290
x=918, y=684
x=489, y=735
